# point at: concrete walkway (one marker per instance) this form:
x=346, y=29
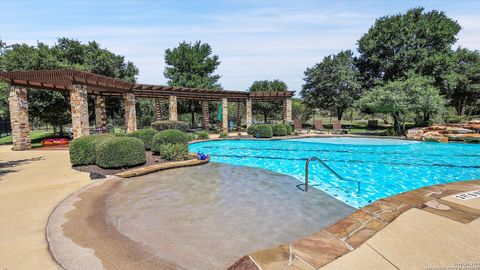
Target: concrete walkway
x=32, y=183
x=421, y=240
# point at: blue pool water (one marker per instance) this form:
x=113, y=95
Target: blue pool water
x=384, y=167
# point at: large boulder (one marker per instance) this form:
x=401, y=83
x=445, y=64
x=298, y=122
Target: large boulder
x=458, y=130
x=470, y=137
x=434, y=136
x=415, y=133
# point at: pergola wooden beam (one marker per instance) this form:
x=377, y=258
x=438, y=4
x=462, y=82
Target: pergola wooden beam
x=61, y=80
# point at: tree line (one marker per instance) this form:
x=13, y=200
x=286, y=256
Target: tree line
x=405, y=67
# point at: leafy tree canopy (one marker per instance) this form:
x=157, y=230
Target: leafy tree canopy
x=416, y=41
x=462, y=82
x=333, y=83
x=52, y=107
x=415, y=95
x=267, y=108
x=191, y=65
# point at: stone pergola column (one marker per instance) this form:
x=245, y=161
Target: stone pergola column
x=18, y=105
x=158, y=109
x=248, y=109
x=287, y=110
x=130, y=112
x=239, y=117
x=224, y=115
x=100, y=112
x=79, y=109
x=172, y=108
x=205, y=114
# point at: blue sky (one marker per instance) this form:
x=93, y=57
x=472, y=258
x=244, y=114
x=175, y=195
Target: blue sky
x=255, y=40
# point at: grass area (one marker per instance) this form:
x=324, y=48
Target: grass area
x=37, y=137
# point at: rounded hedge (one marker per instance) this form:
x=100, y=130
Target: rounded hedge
x=173, y=151
x=251, y=130
x=168, y=136
x=120, y=152
x=279, y=130
x=289, y=129
x=165, y=124
x=263, y=131
x=82, y=150
x=202, y=135
x=146, y=135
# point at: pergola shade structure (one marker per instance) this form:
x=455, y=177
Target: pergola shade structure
x=80, y=84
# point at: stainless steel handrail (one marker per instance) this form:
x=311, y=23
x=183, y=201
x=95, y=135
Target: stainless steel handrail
x=330, y=169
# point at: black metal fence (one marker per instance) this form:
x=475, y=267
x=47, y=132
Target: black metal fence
x=5, y=127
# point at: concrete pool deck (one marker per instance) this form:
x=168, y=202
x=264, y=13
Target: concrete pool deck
x=32, y=183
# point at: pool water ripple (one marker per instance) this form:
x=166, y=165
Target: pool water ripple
x=383, y=166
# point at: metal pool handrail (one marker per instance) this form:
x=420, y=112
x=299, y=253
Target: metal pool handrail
x=330, y=169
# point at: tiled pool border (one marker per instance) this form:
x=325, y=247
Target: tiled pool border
x=323, y=247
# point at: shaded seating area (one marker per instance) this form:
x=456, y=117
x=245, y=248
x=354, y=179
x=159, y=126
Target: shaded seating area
x=79, y=85
x=319, y=128
x=337, y=128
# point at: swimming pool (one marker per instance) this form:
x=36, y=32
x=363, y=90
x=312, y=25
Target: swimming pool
x=383, y=167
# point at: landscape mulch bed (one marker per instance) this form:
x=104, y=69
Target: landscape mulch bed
x=151, y=160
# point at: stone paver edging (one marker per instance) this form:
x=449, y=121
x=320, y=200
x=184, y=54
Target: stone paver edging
x=161, y=167
x=323, y=247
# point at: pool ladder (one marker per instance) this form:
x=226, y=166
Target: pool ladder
x=330, y=169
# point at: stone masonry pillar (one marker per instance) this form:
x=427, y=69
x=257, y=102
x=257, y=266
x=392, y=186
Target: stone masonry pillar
x=18, y=105
x=248, y=109
x=172, y=108
x=239, y=117
x=224, y=115
x=287, y=110
x=205, y=113
x=130, y=112
x=100, y=112
x=158, y=109
x=79, y=109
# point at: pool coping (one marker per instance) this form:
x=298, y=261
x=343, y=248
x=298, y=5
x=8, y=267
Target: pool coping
x=162, y=167
x=319, y=249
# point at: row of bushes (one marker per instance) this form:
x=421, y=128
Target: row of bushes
x=107, y=151
x=267, y=131
x=125, y=150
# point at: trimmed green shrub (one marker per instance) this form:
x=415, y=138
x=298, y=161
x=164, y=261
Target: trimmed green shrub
x=279, y=130
x=146, y=135
x=191, y=136
x=251, y=130
x=223, y=135
x=120, y=152
x=165, y=124
x=82, y=150
x=202, y=135
x=166, y=137
x=289, y=129
x=173, y=151
x=120, y=134
x=263, y=131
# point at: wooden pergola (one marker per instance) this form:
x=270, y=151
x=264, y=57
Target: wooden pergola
x=80, y=84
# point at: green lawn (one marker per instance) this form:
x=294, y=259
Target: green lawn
x=37, y=137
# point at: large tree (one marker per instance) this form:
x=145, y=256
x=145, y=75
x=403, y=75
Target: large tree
x=53, y=107
x=269, y=108
x=462, y=83
x=332, y=84
x=191, y=65
x=417, y=41
x=415, y=95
